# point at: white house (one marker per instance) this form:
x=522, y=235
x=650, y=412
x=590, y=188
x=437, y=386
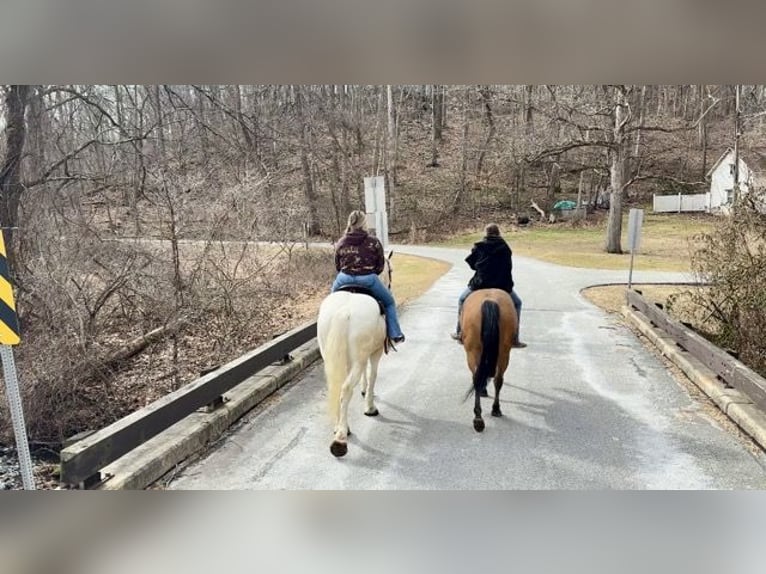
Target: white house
x=752, y=175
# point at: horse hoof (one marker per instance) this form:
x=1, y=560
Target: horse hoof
x=484, y=393
x=374, y=413
x=338, y=449
x=478, y=425
x=496, y=412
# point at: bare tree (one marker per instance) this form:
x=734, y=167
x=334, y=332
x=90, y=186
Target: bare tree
x=392, y=149
x=305, y=151
x=622, y=116
x=16, y=97
x=436, y=126
x=489, y=119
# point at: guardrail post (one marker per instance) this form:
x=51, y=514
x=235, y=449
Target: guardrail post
x=215, y=404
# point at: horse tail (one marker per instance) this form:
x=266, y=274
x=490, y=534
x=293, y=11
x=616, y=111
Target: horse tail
x=336, y=361
x=490, y=345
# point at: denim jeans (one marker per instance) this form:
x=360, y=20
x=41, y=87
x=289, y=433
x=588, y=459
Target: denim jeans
x=374, y=284
x=516, y=303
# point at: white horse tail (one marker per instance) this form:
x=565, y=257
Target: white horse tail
x=336, y=361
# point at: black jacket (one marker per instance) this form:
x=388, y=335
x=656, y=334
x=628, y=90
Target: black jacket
x=491, y=259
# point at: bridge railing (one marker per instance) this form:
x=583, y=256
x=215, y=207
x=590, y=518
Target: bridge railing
x=726, y=367
x=82, y=461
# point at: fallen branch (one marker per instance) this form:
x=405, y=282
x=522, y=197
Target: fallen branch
x=87, y=369
x=135, y=346
x=540, y=211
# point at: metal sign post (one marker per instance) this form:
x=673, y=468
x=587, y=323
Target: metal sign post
x=375, y=207
x=635, y=219
x=9, y=335
x=17, y=415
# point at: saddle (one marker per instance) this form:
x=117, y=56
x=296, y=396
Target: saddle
x=363, y=291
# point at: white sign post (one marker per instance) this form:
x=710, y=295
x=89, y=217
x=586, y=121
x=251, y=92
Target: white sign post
x=635, y=219
x=375, y=207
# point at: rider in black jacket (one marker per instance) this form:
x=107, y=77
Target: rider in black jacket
x=492, y=260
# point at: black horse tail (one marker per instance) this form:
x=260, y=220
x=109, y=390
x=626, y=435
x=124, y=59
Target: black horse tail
x=490, y=345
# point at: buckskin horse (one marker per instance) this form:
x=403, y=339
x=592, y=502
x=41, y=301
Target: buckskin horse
x=488, y=323
x=351, y=329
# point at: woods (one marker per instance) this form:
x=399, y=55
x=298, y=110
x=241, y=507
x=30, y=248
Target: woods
x=129, y=209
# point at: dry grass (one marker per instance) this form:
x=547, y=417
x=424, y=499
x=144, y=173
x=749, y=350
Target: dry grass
x=610, y=298
x=677, y=300
x=413, y=275
x=666, y=243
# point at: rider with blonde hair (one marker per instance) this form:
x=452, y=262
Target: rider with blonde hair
x=359, y=259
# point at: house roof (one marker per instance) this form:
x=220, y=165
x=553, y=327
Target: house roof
x=718, y=161
x=754, y=158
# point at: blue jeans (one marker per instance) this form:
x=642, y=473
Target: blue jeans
x=516, y=303
x=374, y=284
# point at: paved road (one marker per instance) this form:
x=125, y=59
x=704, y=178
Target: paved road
x=586, y=407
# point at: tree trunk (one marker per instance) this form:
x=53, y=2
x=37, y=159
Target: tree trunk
x=378, y=134
x=200, y=104
x=736, y=144
x=339, y=189
x=486, y=96
x=443, y=106
x=308, y=180
x=464, y=155
x=10, y=175
x=438, y=104
x=554, y=181
x=391, y=149
x=435, y=127
x=160, y=121
x=529, y=122
x=617, y=176
x=641, y=106
x=703, y=132
x=250, y=149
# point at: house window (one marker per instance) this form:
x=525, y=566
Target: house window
x=731, y=169
x=729, y=196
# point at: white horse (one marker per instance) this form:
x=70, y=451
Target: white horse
x=352, y=338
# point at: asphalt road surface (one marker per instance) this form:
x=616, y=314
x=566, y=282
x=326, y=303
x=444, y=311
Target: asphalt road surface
x=586, y=406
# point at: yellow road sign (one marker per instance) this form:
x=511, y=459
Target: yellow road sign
x=9, y=323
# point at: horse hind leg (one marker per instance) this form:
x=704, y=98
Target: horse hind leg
x=478, y=422
x=499, y=379
x=365, y=379
x=339, y=446
x=370, y=378
x=496, y=412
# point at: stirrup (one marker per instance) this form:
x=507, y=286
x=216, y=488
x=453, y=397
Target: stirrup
x=389, y=344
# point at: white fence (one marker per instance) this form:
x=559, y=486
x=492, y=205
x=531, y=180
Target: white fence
x=680, y=202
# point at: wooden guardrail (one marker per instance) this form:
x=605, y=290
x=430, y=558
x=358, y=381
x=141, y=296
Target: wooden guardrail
x=82, y=461
x=727, y=368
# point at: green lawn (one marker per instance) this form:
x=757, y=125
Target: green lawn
x=666, y=242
